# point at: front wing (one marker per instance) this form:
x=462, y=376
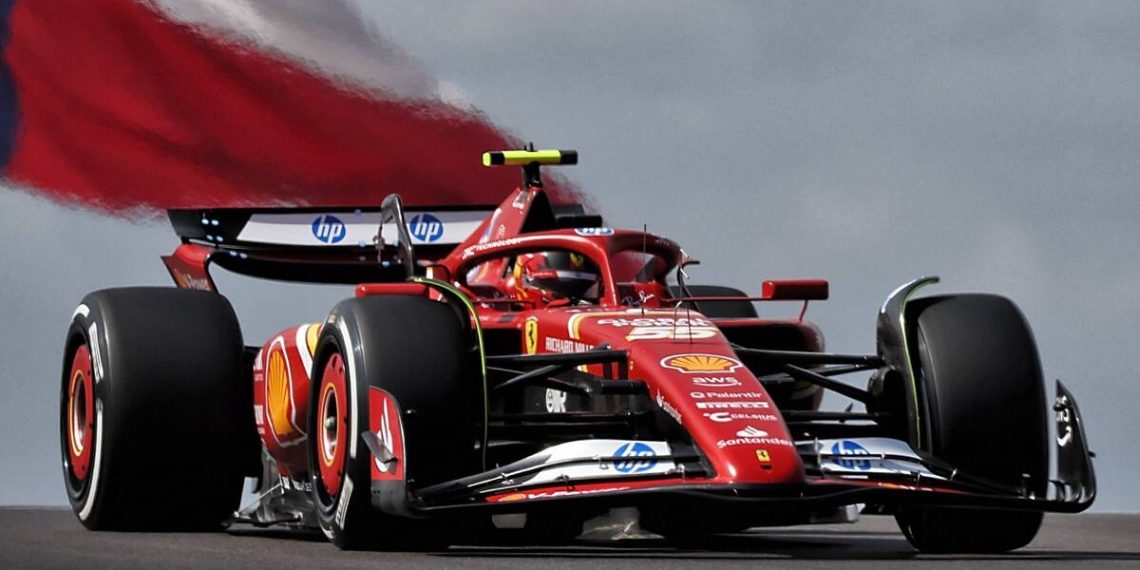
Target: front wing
x=886, y=473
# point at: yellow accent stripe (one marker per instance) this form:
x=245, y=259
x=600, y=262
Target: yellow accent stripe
x=311, y=337
x=322, y=428
x=523, y=157
x=75, y=381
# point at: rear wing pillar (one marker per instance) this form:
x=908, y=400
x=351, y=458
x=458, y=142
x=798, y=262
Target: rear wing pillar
x=392, y=212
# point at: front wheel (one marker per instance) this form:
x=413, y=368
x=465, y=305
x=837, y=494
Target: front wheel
x=396, y=405
x=978, y=372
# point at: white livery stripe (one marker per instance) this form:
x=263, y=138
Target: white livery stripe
x=354, y=429
x=353, y=229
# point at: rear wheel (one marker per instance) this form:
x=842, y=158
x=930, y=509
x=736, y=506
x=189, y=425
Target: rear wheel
x=394, y=374
x=155, y=424
x=978, y=372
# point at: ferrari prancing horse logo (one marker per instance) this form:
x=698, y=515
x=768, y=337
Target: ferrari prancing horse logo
x=530, y=335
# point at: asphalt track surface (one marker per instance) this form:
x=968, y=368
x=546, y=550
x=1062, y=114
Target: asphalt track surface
x=51, y=538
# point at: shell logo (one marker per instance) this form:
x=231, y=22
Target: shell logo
x=278, y=389
x=691, y=363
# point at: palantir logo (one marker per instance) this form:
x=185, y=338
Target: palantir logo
x=642, y=458
x=426, y=227
x=849, y=448
x=329, y=229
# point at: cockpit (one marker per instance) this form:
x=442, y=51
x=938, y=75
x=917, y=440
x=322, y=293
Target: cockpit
x=623, y=271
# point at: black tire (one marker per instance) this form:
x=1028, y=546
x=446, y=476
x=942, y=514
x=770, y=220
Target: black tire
x=719, y=309
x=419, y=353
x=979, y=374
x=166, y=420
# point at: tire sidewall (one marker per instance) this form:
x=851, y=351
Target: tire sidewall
x=86, y=498
x=171, y=415
x=349, y=515
x=948, y=529
x=383, y=343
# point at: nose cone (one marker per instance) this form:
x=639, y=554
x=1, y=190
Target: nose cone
x=725, y=409
x=695, y=377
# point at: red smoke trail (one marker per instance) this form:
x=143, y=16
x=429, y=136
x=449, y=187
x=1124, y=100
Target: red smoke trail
x=121, y=108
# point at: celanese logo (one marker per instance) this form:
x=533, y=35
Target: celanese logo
x=426, y=227
x=329, y=229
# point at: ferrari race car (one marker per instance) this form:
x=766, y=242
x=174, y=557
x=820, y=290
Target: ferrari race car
x=528, y=360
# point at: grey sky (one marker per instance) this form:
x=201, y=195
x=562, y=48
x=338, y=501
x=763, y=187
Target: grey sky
x=994, y=144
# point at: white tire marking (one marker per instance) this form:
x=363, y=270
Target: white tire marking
x=342, y=504
x=89, y=502
x=354, y=431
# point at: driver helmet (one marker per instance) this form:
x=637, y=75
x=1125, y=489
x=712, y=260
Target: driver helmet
x=550, y=275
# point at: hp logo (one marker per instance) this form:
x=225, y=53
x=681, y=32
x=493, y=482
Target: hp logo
x=850, y=448
x=641, y=458
x=426, y=228
x=591, y=232
x=329, y=229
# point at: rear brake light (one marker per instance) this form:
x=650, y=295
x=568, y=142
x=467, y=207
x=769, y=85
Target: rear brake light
x=795, y=290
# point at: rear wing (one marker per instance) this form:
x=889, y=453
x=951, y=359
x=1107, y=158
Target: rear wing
x=366, y=244
x=330, y=245
x=315, y=245
x=278, y=228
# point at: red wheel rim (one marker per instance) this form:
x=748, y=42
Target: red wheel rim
x=331, y=433
x=80, y=413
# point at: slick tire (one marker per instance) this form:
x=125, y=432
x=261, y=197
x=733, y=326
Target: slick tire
x=155, y=423
x=417, y=353
x=978, y=372
x=720, y=309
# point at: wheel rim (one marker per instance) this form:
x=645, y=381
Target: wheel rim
x=80, y=416
x=331, y=432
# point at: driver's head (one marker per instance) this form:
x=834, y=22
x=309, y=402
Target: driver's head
x=549, y=275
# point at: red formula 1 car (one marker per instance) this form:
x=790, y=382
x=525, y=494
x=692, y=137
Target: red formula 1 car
x=527, y=359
